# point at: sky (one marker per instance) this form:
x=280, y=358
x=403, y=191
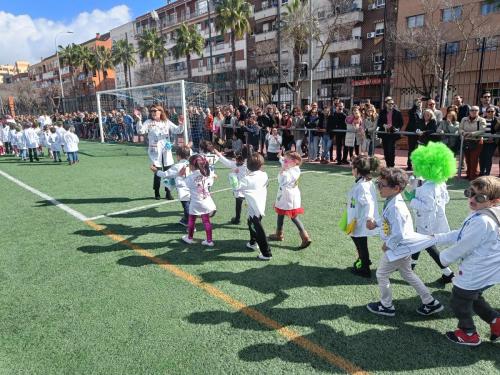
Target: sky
x=28, y=28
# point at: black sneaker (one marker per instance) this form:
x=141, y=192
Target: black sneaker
x=430, y=308
x=183, y=222
x=379, y=309
x=235, y=221
x=263, y=257
x=363, y=272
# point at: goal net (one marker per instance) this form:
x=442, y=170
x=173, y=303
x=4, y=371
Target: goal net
x=188, y=99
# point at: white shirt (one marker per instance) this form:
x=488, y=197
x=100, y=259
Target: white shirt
x=476, y=248
x=201, y=201
x=254, y=188
x=4, y=134
x=288, y=197
x=55, y=142
x=236, y=175
x=20, y=141
x=362, y=205
x=71, y=142
x=274, y=143
x=61, y=131
x=32, y=140
x=180, y=181
x=158, y=131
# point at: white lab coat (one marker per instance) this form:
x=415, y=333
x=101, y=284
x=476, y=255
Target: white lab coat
x=13, y=137
x=396, y=230
x=476, y=248
x=201, y=201
x=254, y=188
x=31, y=137
x=55, y=142
x=61, y=131
x=159, y=131
x=71, y=142
x=237, y=172
x=288, y=197
x=21, y=141
x=180, y=181
x=5, y=137
x=362, y=205
x=429, y=206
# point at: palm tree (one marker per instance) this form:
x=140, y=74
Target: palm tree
x=188, y=41
x=124, y=53
x=103, y=61
x=69, y=56
x=86, y=60
x=152, y=47
x=233, y=15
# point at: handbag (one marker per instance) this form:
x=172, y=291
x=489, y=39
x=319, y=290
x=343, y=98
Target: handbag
x=471, y=144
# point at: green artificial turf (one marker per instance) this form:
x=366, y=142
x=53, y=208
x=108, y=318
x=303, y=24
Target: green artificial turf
x=75, y=302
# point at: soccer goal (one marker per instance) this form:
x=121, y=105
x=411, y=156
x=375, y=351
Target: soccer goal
x=178, y=97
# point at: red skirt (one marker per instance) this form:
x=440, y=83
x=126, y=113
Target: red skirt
x=290, y=213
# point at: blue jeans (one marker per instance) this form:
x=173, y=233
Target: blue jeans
x=313, y=146
x=56, y=155
x=23, y=154
x=73, y=157
x=327, y=143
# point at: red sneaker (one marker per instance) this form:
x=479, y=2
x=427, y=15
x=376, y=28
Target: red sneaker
x=495, y=330
x=462, y=338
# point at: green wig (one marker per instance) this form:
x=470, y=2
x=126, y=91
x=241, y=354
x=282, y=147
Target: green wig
x=434, y=162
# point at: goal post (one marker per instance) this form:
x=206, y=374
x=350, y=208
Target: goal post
x=178, y=97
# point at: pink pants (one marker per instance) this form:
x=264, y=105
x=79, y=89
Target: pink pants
x=205, y=218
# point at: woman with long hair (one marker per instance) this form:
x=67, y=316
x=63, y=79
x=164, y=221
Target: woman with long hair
x=160, y=142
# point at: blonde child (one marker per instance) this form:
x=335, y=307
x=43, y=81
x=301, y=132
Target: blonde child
x=288, y=200
x=20, y=142
x=174, y=172
x=55, y=144
x=361, y=206
x=201, y=204
x=476, y=248
x=396, y=225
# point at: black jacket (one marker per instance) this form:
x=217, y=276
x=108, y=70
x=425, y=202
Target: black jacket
x=426, y=136
x=397, y=123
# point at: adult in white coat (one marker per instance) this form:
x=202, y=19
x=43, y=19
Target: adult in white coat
x=159, y=130
x=5, y=135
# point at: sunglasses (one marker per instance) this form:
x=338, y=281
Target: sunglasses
x=479, y=198
x=490, y=111
x=486, y=96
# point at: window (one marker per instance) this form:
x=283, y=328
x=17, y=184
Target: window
x=490, y=44
x=379, y=28
x=321, y=14
x=410, y=54
x=356, y=33
x=490, y=7
x=335, y=62
x=379, y=3
x=321, y=66
x=415, y=21
x=355, y=60
x=202, y=6
x=452, y=48
x=377, y=58
x=451, y=14
x=265, y=27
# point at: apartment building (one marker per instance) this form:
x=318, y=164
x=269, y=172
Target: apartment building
x=45, y=74
x=200, y=13
x=124, y=32
x=10, y=73
x=469, y=65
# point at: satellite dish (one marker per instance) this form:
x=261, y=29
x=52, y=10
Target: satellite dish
x=154, y=15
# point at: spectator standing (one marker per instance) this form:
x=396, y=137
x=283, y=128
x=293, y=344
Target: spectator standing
x=339, y=123
x=471, y=128
x=415, y=115
x=390, y=121
x=298, y=126
x=449, y=125
x=431, y=104
x=370, y=121
x=462, y=109
x=489, y=144
x=486, y=103
x=426, y=127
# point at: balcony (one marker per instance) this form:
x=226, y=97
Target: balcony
x=338, y=72
x=266, y=11
x=345, y=45
x=265, y=35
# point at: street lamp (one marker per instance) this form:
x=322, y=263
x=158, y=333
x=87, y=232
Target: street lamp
x=59, y=64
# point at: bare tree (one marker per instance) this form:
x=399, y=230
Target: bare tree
x=146, y=75
x=302, y=24
x=424, y=46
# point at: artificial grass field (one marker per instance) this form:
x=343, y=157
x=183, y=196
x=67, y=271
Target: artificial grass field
x=74, y=301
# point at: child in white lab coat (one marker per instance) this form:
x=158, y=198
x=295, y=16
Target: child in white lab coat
x=396, y=225
x=70, y=141
x=476, y=248
x=361, y=206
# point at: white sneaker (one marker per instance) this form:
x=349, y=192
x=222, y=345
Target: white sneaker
x=255, y=246
x=187, y=240
x=263, y=257
x=206, y=243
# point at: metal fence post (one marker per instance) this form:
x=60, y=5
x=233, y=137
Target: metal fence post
x=461, y=156
x=98, y=96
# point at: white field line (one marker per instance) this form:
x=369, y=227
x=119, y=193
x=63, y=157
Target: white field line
x=82, y=217
x=54, y=201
